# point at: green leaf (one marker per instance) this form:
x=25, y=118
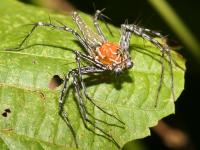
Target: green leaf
x=34, y=122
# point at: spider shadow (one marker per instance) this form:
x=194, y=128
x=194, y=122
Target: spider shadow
x=147, y=52
x=108, y=78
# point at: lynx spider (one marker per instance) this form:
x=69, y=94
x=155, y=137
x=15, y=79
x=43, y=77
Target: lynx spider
x=103, y=56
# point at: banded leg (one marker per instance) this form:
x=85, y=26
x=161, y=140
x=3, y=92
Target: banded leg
x=85, y=115
x=77, y=73
x=172, y=75
x=92, y=69
x=98, y=14
x=125, y=38
x=168, y=52
x=63, y=28
x=61, y=111
x=153, y=32
x=142, y=33
x=161, y=79
x=158, y=34
x=96, y=24
x=146, y=34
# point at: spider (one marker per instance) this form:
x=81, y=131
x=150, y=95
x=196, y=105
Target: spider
x=102, y=56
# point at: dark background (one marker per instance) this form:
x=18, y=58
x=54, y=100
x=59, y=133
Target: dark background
x=188, y=104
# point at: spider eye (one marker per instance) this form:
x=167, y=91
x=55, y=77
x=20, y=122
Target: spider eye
x=118, y=70
x=129, y=64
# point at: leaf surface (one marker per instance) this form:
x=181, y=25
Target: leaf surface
x=34, y=122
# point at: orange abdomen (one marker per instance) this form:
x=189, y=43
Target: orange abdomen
x=108, y=53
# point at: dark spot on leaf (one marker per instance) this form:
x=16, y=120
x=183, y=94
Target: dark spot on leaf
x=8, y=110
x=55, y=82
x=4, y=114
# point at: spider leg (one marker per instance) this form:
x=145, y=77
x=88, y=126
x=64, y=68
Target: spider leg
x=153, y=32
x=53, y=26
x=92, y=69
x=98, y=14
x=24, y=40
x=139, y=31
x=125, y=38
x=96, y=24
x=172, y=74
x=85, y=116
x=158, y=34
x=161, y=79
x=147, y=34
x=77, y=76
x=61, y=112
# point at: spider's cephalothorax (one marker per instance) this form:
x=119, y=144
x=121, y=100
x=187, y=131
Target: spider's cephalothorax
x=101, y=56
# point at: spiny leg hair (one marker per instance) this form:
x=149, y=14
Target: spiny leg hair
x=84, y=113
x=77, y=75
x=53, y=26
x=96, y=24
x=149, y=35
